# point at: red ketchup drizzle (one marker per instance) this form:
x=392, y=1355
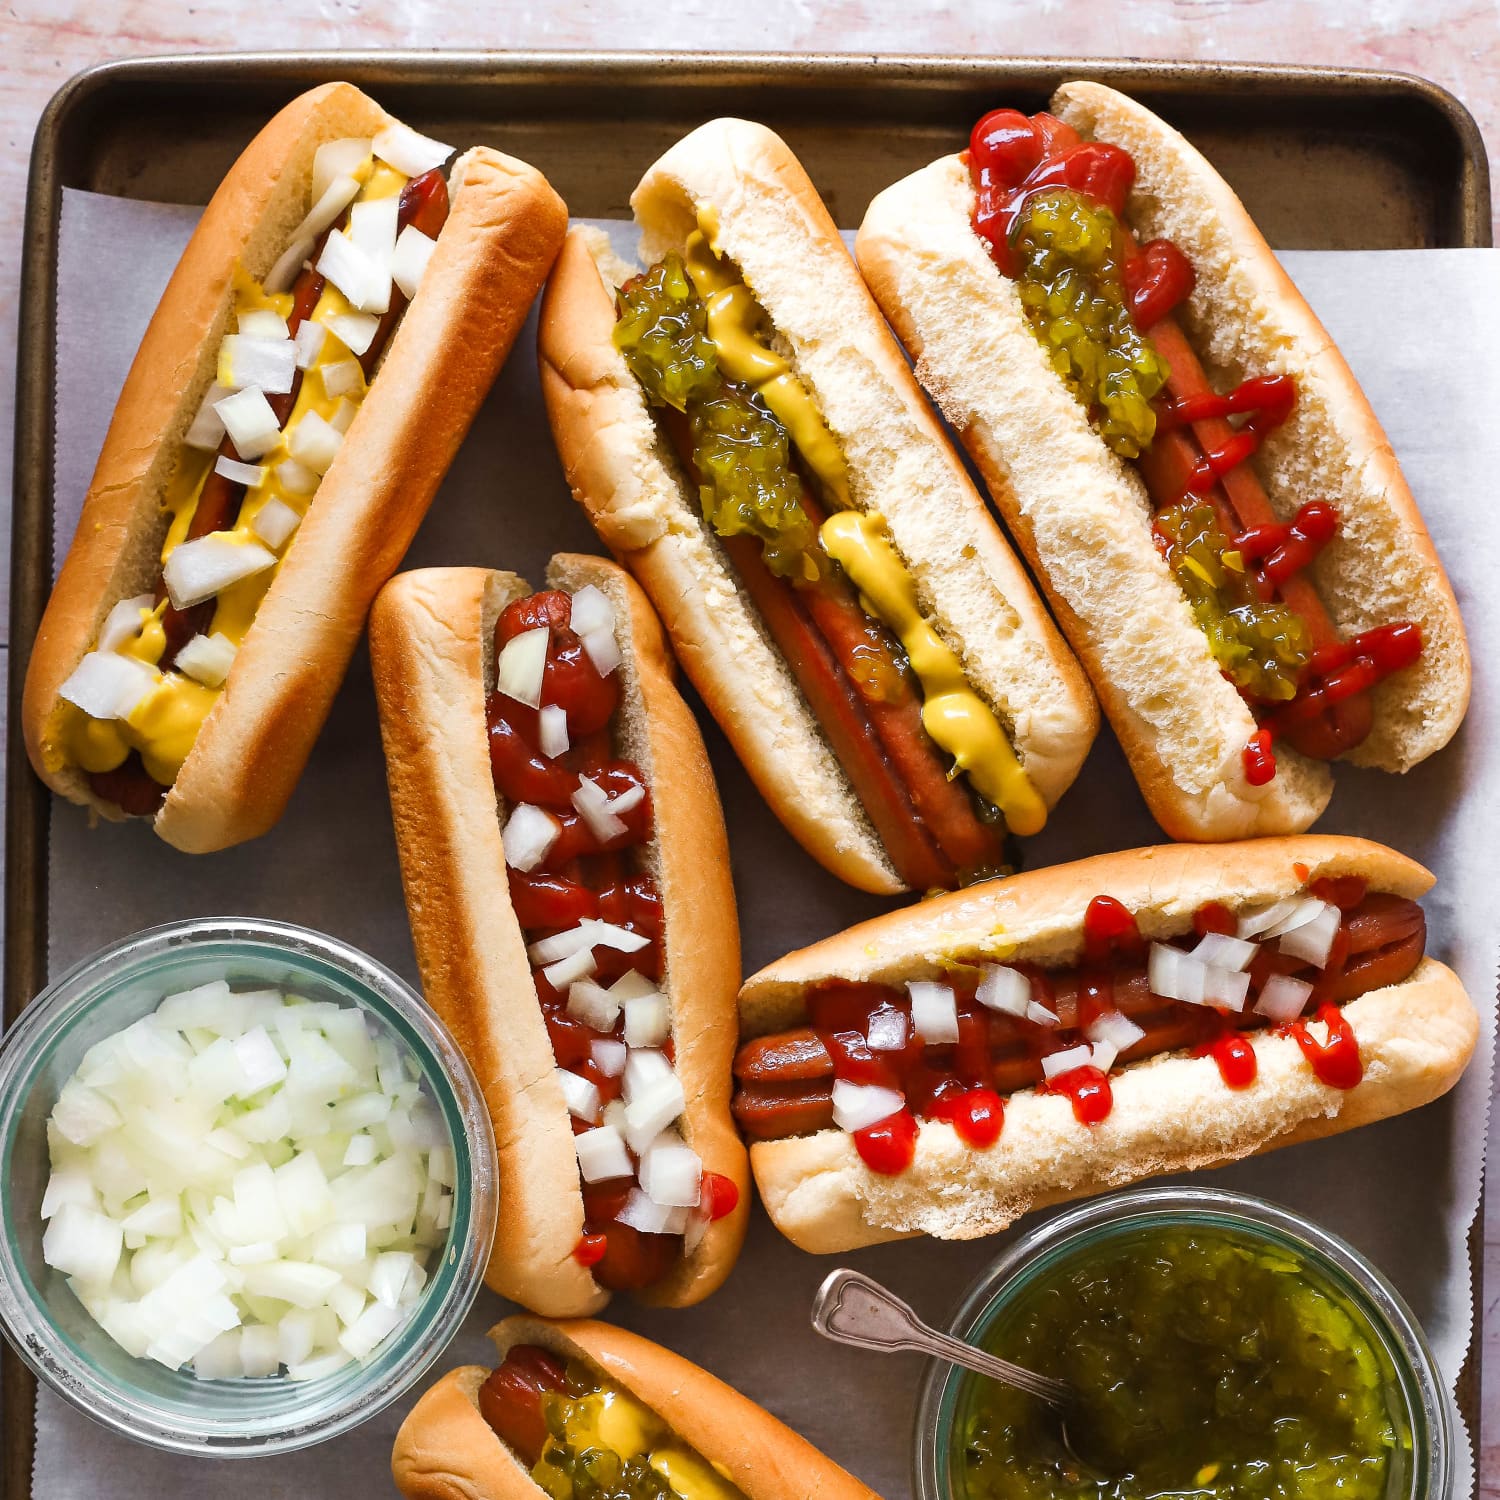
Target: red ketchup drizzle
x=1268, y=400
x=1282, y=550
x=1232, y=1051
x=1337, y=1061
x=1347, y=669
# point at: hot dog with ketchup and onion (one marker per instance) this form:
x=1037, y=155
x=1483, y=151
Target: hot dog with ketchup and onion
x=1187, y=461
x=567, y=878
x=314, y=363
x=745, y=435
x=948, y=1068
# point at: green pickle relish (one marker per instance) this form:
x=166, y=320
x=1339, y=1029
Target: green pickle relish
x=748, y=485
x=1208, y=1364
x=1069, y=251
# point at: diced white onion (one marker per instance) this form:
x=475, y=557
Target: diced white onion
x=568, y=970
x=602, y=1154
x=262, y=323
x=340, y=376
x=270, y=364
x=1307, y=909
x=609, y=1056
x=644, y=1070
x=252, y=476
x=275, y=521
x=1175, y=975
x=197, y=570
x=343, y=415
x=1221, y=952
x=314, y=442
x=123, y=622
x=372, y=229
x=671, y=1173
x=589, y=933
x=579, y=1094
x=83, y=1243
x=295, y=478
x=309, y=341
x=251, y=424
x=283, y=275
x=354, y=273
x=591, y=610
x=528, y=835
x=207, y=658
x=409, y=153
x=1312, y=941
x=1115, y=1028
x=1282, y=998
x=1254, y=923
x=651, y=1108
x=934, y=1011
x=603, y=650
x=207, y=428
x=409, y=263
x=887, y=1029
x=648, y=1021
x=370, y=1329
x=327, y=207
x=1102, y=1055
x=1056, y=1063
x=856, y=1106
x=641, y=1214
x=1039, y=1015
x=333, y=159
x=521, y=664
x=106, y=685
x=1004, y=989
x=592, y=802
x=592, y=1004
x=552, y=731
x=355, y=331
x=1225, y=988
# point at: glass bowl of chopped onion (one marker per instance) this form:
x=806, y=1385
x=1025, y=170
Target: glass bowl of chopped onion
x=247, y=1182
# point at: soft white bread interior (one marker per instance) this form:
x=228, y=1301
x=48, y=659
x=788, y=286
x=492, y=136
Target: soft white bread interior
x=431, y=635
x=1081, y=515
x=446, y=1451
x=773, y=226
x=503, y=231
x=1171, y=1113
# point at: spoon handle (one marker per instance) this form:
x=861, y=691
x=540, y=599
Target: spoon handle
x=853, y=1309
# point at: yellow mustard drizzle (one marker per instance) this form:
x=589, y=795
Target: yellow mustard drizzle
x=610, y=1418
x=959, y=721
x=165, y=724
x=734, y=321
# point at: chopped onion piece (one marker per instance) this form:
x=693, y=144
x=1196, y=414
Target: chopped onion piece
x=1282, y=998
x=640, y=1213
x=887, y=1029
x=528, y=835
x=270, y=364
x=1004, y=989
x=355, y=331
x=327, y=207
x=651, y=1107
x=409, y=153
x=275, y=521
x=609, y=1056
x=1307, y=909
x=123, y=622
x=197, y=570
x=934, y=1011
x=603, y=650
x=1039, y=1015
x=592, y=1004
x=252, y=476
x=341, y=158
x=1254, y=923
x=1102, y=1055
x=343, y=416
x=207, y=658
x=648, y=1021
x=262, y=323
x=1054, y=1064
x=283, y=275
x=251, y=424
x=552, y=731
x=309, y=341
x=84, y=1243
x=602, y=1154
x=1175, y=975
x=314, y=442
x=106, y=685
x=207, y=428
x=370, y=1329
x=589, y=933
x=1313, y=941
x=592, y=802
x=591, y=610
x=1221, y=952
x=859, y=1105
x=580, y=1095
x=567, y=970
x=521, y=664
x=341, y=376
x=295, y=478
x=1114, y=1027
x=409, y=263
x=355, y=273
x=1225, y=988
x=671, y=1173
x=372, y=229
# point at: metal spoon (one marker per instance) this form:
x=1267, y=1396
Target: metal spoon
x=853, y=1309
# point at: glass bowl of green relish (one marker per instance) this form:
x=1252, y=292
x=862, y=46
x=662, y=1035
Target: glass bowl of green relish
x=1222, y=1348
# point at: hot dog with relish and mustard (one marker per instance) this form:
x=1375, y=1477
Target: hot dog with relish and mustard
x=1190, y=466
x=948, y=1068
x=327, y=337
x=582, y=1411
x=581, y=943
x=745, y=435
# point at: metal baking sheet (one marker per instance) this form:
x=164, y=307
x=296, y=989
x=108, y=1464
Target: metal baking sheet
x=1324, y=159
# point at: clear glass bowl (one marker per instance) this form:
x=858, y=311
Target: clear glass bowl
x=50, y=1328
x=1418, y=1398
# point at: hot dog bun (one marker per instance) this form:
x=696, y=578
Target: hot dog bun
x=501, y=235
x=774, y=227
x=431, y=635
x=1171, y=1113
x=1081, y=516
x=446, y=1451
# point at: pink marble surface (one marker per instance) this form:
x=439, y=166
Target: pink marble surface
x=1454, y=42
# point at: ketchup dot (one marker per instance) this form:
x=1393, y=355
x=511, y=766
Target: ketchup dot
x=720, y=1195
x=1336, y=1062
x=976, y=1115
x=1089, y=1091
x=1236, y=1059
x=1260, y=763
x=1108, y=924
x=590, y=1250
x=889, y=1145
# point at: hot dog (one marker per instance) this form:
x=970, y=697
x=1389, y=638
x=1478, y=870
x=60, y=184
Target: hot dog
x=582, y=944
x=313, y=365
x=945, y=1069
x=1190, y=467
x=626, y=1415
x=744, y=433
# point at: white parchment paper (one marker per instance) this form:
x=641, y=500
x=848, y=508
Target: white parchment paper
x=1419, y=328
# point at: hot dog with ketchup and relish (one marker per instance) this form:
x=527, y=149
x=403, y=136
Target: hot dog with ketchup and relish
x=745, y=434
x=1190, y=467
x=567, y=877
x=948, y=1068
x=328, y=335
